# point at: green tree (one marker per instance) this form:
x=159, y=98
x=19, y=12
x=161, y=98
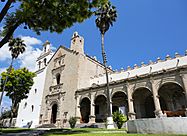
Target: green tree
x=16, y=47
x=18, y=84
x=5, y=114
x=44, y=15
x=106, y=15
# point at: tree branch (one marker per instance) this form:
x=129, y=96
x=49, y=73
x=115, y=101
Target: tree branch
x=8, y=35
x=5, y=9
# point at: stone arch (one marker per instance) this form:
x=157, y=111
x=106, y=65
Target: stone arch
x=85, y=109
x=83, y=97
x=134, y=89
x=119, y=102
x=100, y=93
x=100, y=108
x=54, y=113
x=143, y=103
x=116, y=91
x=172, y=97
x=168, y=81
x=53, y=102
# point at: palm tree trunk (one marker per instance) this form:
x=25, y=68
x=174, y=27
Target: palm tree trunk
x=106, y=72
x=4, y=85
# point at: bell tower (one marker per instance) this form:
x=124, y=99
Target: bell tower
x=77, y=43
x=44, y=57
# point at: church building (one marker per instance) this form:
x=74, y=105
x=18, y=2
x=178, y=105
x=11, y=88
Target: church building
x=70, y=83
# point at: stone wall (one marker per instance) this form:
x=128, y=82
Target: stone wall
x=171, y=125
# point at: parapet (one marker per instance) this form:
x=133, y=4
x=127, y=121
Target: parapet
x=144, y=69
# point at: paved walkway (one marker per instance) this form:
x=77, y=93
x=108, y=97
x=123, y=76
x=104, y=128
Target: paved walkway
x=108, y=131
x=26, y=133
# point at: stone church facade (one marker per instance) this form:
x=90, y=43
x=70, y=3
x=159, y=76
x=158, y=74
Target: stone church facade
x=73, y=85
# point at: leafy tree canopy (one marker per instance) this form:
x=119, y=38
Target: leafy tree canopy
x=18, y=84
x=6, y=114
x=44, y=15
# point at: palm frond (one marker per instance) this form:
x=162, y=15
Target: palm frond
x=106, y=15
x=16, y=46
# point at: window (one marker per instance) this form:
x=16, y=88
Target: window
x=32, y=108
x=25, y=105
x=45, y=61
x=59, y=62
x=39, y=63
x=45, y=49
x=58, y=79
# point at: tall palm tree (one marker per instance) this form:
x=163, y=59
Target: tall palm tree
x=106, y=15
x=16, y=47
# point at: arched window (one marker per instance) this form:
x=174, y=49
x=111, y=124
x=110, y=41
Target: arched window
x=32, y=108
x=35, y=90
x=45, y=61
x=45, y=49
x=25, y=105
x=58, y=78
x=39, y=63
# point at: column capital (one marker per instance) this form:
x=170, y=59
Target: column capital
x=127, y=84
x=152, y=80
x=182, y=76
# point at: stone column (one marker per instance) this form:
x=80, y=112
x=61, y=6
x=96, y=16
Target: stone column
x=158, y=111
x=47, y=115
x=131, y=113
x=184, y=80
x=77, y=111
x=49, y=112
x=58, y=116
x=92, y=109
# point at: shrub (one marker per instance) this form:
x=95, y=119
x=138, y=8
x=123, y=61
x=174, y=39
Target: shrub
x=119, y=119
x=72, y=122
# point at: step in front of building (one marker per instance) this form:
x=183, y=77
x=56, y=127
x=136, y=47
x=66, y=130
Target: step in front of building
x=92, y=125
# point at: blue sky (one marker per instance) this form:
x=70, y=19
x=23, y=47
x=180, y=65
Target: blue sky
x=145, y=30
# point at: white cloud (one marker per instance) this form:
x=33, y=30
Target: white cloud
x=2, y=70
x=28, y=58
x=53, y=48
x=31, y=40
x=4, y=53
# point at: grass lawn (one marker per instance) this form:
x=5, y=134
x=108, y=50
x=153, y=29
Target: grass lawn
x=84, y=132
x=111, y=134
x=97, y=132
